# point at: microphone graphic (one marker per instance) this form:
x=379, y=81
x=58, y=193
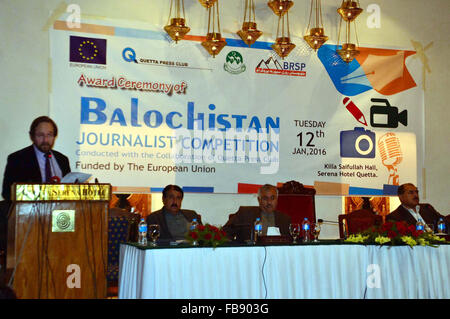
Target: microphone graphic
x=391, y=155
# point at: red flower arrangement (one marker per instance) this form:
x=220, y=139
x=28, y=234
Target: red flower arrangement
x=207, y=235
x=395, y=230
x=395, y=233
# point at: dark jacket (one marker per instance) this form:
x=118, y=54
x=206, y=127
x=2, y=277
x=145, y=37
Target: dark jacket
x=428, y=213
x=158, y=217
x=240, y=224
x=23, y=167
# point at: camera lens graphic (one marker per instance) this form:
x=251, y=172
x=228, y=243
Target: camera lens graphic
x=358, y=141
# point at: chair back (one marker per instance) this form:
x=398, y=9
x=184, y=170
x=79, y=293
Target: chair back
x=297, y=201
x=122, y=227
x=357, y=221
x=447, y=227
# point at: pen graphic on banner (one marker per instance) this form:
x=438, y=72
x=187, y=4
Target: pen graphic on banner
x=354, y=110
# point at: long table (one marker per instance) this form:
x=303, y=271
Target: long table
x=284, y=272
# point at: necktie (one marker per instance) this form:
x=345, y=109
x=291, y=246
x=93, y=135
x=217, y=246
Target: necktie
x=48, y=171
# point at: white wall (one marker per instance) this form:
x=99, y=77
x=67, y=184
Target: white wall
x=24, y=89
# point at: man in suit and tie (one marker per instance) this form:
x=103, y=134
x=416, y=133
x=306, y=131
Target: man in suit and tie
x=173, y=221
x=240, y=224
x=411, y=210
x=37, y=163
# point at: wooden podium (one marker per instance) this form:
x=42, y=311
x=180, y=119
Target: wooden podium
x=57, y=240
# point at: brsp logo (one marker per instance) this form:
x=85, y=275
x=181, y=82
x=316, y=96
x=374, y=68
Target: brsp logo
x=129, y=55
x=294, y=66
x=273, y=66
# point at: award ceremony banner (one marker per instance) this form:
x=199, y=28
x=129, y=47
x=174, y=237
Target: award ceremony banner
x=137, y=109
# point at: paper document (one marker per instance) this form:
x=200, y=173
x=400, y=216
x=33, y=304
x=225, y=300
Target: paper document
x=273, y=231
x=73, y=176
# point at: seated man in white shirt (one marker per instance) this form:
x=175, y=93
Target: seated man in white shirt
x=411, y=210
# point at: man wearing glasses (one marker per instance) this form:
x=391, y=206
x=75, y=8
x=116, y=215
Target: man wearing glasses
x=37, y=163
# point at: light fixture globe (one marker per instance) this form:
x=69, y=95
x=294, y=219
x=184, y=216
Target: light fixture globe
x=348, y=52
x=177, y=29
x=349, y=10
x=316, y=38
x=283, y=46
x=249, y=33
x=214, y=43
x=280, y=7
x=207, y=3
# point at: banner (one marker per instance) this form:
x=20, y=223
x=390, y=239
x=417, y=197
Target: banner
x=136, y=109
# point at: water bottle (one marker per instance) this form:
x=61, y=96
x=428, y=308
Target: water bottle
x=420, y=225
x=441, y=226
x=194, y=224
x=257, y=230
x=192, y=227
x=306, y=228
x=142, y=232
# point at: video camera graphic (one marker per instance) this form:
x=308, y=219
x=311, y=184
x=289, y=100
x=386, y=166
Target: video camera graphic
x=359, y=143
x=386, y=115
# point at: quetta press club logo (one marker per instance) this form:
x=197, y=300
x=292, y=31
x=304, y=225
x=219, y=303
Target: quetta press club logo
x=87, y=50
x=234, y=63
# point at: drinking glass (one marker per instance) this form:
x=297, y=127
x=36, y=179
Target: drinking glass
x=294, y=230
x=316, y=232
x=154, y=232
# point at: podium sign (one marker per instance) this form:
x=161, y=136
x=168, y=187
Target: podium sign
x=58, y=192
x=57, y=240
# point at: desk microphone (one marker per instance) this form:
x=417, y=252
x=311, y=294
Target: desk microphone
x=326, y=221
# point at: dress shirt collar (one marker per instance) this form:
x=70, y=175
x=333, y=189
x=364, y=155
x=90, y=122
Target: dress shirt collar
x=414, y=213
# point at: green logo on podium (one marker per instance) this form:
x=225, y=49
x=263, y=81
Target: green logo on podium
x=63, y=221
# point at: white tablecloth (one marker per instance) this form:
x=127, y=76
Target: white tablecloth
x=306, y=271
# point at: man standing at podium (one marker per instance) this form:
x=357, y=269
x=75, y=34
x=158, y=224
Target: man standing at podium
x=37, y=163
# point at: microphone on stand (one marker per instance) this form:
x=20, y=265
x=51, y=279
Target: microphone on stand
x=49, y=169
x=327, y=221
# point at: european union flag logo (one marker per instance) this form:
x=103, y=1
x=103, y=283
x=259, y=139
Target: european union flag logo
x=87, y=50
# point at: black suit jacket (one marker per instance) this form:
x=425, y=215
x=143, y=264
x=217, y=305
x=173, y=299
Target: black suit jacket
x=240, y=224
x=23, y=167
x=428, y=213
x=158, y=217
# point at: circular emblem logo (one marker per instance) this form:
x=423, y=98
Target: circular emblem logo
x=234, y=63
x=129, y=55
x=63, y=221
x=88, y=50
